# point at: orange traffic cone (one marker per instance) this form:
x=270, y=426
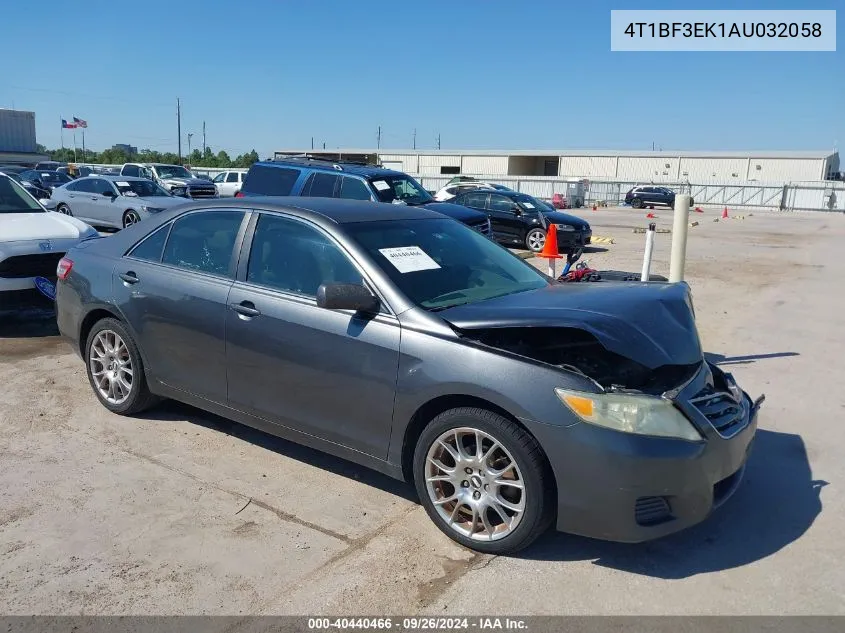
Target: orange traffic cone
x=595, y=208
x=550, y=247
x=650, y=215
x=725, y=214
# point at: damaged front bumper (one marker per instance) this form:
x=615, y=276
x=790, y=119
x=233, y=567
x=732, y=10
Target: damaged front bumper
x=630, y=488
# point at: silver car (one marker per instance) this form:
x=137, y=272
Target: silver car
x=112, y=201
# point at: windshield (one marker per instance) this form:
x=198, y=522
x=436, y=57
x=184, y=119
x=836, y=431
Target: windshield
x=172, y=171
x=141, y=188
x=15, y=199
x=400, y=189
x=440, y=263
x=530, y=203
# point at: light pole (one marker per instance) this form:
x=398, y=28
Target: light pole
x=190, y=134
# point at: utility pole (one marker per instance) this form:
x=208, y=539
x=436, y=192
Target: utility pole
x=203, y=138
x=438, y=141
x=415, y=138
x=378, y=138
x=324, y=145
x=179, y=127
x=190, y=134
x=312, y=142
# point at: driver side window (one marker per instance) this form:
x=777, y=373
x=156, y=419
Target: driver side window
x=501, y=204
x=219, y=177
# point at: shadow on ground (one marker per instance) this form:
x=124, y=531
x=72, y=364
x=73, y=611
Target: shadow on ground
x=775, y=505
x=721, y=359
x=176, y=411
x=594, y=249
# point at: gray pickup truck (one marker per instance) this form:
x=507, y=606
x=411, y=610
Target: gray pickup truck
x=174, y=178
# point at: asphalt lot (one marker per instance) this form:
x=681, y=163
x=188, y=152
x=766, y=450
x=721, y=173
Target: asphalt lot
x=181, y=512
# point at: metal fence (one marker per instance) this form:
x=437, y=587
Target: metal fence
x=821, y=196
x=804, y=196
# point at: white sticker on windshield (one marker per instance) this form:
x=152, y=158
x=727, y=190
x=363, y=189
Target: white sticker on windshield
x=409, y=259
x=527, y=205
x=122, y=184
x=380, y=185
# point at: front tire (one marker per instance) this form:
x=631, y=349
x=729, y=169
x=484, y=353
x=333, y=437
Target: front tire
x=130, y=217
x=115, y=370
x=483, y=480
x=637, y=203
x=535, y=239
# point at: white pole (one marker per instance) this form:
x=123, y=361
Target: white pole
x=649, y=247
x=552, y=268
x=679, y=238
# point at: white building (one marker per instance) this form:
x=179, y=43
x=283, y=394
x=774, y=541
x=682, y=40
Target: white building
x=695, y=167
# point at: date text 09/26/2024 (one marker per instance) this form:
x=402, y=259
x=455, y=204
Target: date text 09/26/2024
x=417, y=624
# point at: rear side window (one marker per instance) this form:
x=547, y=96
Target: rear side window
x=474, y=200
x=204, y=241
x=354, y=189
x=86, y=185
x=270, y=181
x=151, y=247
x=232, y=177
x=130, y=170
x=322, y=185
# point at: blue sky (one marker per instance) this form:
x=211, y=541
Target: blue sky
x=268, y=74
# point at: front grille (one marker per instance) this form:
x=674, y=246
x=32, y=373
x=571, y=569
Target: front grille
x=201, y=191
x=652, y=511
x=722, y=411
x=39, y=265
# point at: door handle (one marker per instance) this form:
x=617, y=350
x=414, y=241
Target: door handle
x=129, y=277
x=246, y=308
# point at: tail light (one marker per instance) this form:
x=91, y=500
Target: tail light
x=64, y=268
x=239, y=194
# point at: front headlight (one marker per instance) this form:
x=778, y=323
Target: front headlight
x=147, y=209
x=639, y=414
x=565, y=227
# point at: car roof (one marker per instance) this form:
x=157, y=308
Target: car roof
x=366, y=171
x=338, y=210
x=116, y=178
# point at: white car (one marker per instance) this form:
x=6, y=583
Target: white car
x=450, y=191
x=229, y=183
x=32, y=239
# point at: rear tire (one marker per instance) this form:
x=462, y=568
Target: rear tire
x=637, y=203
x=115, y=369
x=63, y=208
x=471, y=505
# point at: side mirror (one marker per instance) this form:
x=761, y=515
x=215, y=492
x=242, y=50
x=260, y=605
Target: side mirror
x=355, y=297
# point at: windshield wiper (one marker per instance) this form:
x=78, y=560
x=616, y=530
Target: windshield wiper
x=451, y=305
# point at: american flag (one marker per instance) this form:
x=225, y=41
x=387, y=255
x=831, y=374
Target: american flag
x=80, y=122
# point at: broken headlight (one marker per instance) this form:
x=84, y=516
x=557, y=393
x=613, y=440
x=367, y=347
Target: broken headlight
x=640, y=414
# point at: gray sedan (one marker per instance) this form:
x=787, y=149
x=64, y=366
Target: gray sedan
x=112, y=201
x=403, y=340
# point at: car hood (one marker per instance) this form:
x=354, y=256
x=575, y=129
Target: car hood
x=157, y=202
x=16, y=227
x=456, y=211
x=650, y=323
x=556, y=217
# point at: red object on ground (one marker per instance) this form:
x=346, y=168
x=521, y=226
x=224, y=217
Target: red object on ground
x=577, y=274
x=698, y=210
x=725, y=214
x=559, y=201
x=595, y=208
x=650, y=215
x=550, y=247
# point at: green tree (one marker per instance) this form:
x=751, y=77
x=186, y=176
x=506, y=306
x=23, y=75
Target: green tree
x=223, y=159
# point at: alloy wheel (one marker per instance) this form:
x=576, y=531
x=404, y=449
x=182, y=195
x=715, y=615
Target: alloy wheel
x=475, y=484
x=111, y=367
x=63, y=208
x=536, y=240
x=130, y=218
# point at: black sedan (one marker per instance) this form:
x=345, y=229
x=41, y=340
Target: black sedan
x=39, y=193
x=47, y=180
x=518, y=219
x=398, y=338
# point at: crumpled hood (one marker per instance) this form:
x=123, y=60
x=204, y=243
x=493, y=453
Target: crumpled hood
x=650, y=323
x=15, y=227
x=185, y=181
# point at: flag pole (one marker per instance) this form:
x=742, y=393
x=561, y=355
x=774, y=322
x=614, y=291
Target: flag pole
x=83, y=145
x=62, y=133
x=74, y=145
